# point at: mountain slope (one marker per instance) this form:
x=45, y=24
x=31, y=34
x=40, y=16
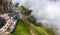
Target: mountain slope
x=26, y=28
x=28, y=25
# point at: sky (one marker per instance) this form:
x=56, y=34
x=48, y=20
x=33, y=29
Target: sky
x=45, y=11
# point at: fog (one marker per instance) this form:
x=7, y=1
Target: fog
x=45, y=11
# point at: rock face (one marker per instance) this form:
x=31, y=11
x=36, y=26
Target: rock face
x=7, y=22
x=2, y=22
x=5, y=6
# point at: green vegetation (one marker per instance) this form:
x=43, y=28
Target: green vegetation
x=26, y=28
x=24, y=10
x=30, y=26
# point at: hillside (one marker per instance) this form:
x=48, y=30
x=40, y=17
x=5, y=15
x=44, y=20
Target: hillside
x=28, y=25
x=26, y=28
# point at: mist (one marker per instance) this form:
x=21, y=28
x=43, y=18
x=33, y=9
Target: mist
x=45, y=11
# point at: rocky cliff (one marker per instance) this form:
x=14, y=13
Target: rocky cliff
x=6, y=6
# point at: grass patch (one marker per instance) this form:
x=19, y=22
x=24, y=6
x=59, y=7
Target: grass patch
x=27, y=28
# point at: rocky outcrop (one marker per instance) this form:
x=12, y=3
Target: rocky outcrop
x=6, y=6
